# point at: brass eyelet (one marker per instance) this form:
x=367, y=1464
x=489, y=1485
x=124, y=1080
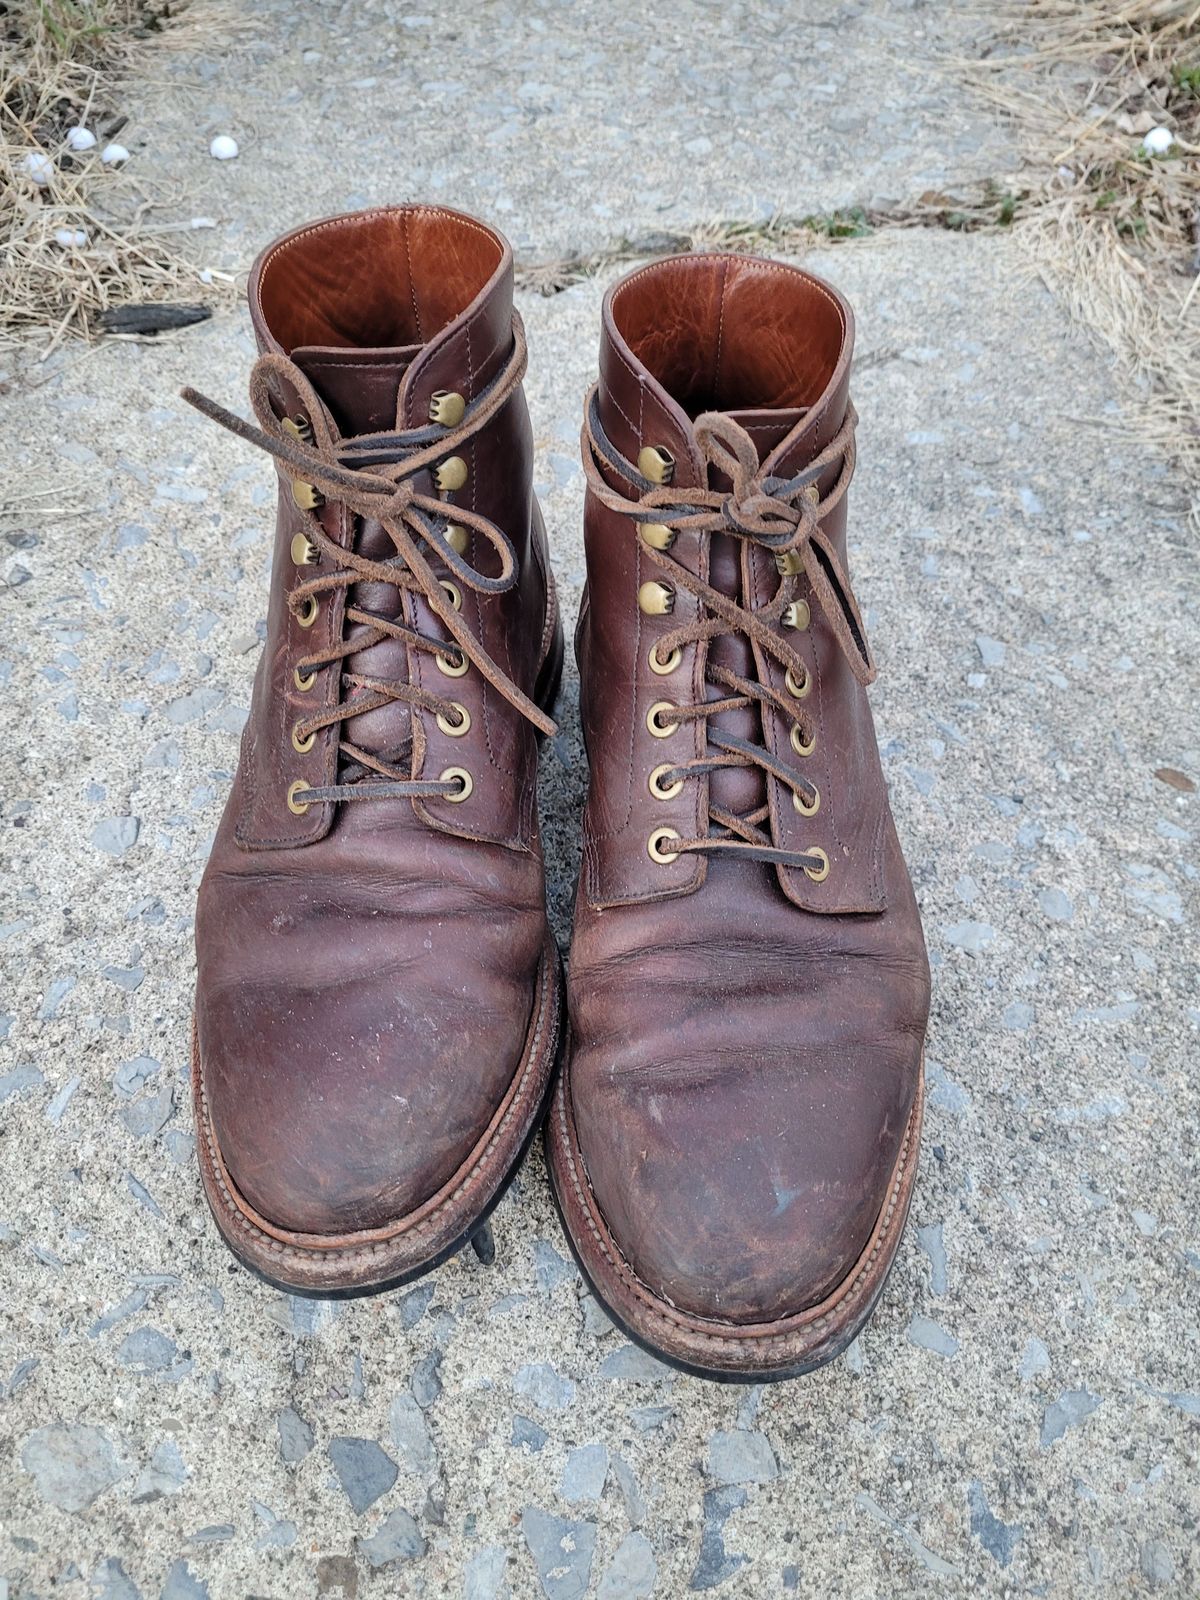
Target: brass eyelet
x=657, y=463
x=798, y=744
x=655, y=843
x=297, y=428
x=303, y=680
x=446, y=407
x=457, y=537
x=306, y=496
x=465, y=781
x=307, y=614
x=453, y=592
x=806, y=810
x=788, y=563
x=663, y=730
x=455, y=730
x=297, y=807
x=656, y=535
x=304, y=551
x=817, y=874
x=302, y=743
x=656, y=599
x=796, y=615
x=453, y=666
x=664, y=667
x=798, y=691
x=661, y=791
x=450, y=474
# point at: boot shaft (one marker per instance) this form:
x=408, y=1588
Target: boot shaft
x=398, y=322
x=768, y=347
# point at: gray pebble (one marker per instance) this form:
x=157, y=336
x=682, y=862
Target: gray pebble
x=363, y=1469
x=547, y=1389
x=1034, y=1361
x=166, y=1473
x=183, y=1584
x=998, y=1538
x=930, y=1240
x=737, y=1456
x=396, y=1539
x=630, y=1364
x=1157, y=1564
x=549, y=1267
x=714, y=1564
x=526, y=1435
x=21, y=1078
x=991, y=651
x=931, y=1335
x=1072, y=1407
x=562, y=1552
x=1056, y=905
x=584, y=1473
x=110, y=1581
x=116, y=835
x=410, y=1436
x=425, y=1383
x=485, y=1573
x=146, y=1351
x=296, y=1438
x=632, y=1571
x=72, y=1464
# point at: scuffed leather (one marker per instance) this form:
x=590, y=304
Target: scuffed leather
x=745, y=1043
x=366, y=971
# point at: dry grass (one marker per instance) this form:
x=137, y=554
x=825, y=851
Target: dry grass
x=61, y=65
x=1115, y=229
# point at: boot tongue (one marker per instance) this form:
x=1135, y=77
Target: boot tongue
x=360, y=387
x=740, y=789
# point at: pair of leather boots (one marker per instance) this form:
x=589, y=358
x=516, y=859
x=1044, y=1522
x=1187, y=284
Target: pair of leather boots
x=732, y=1135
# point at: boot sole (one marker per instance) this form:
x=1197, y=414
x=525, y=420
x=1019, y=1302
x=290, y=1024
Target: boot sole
x=347, y=1266
x=343, y=1266
x=724, y=1352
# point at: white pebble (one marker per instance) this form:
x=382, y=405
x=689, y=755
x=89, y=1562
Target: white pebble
x=71, y=238
x=1158, y=141
x=203, y=222
x=113, y=154
x=223, y=148
x=39, y=167
x=81, y=139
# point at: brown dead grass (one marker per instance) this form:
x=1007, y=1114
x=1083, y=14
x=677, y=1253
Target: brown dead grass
x=61, y=65
x=1114, y=230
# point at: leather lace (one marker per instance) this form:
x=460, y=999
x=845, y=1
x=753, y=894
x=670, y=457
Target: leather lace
x=372, y=477
x=777, y=514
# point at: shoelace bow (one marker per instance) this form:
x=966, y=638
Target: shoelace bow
x=781, y=515
x=371, y=476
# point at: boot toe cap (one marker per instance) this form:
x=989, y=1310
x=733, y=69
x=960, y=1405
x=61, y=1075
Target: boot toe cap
x=335, y=1118
x=745, y=1195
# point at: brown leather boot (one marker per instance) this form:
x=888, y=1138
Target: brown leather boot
x=734, y=1138
x=377, y=1001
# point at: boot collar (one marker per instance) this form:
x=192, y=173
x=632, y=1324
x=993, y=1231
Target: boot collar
x=383, y=308
x=769, y=343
